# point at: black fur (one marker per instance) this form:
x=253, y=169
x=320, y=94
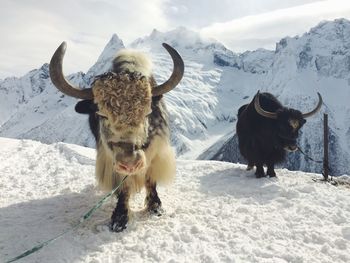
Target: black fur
x=153, y=203
x=262, y=141
x=89, y=107
x=120, y=217
x=85, y=107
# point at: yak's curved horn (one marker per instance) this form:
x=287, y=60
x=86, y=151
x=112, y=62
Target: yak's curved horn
x=264, y=113
x=60, y=81
x=318, y=107
x=176, y=76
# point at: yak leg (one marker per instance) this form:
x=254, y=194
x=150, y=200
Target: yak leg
x=153, y=203
x=250, y=165
x=259, y=170
x=120, y=214
x=271, y=170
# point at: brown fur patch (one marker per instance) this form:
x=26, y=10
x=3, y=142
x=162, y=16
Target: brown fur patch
x=124, y=98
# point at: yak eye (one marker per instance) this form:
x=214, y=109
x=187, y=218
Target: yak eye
x=113, y=144
x=294, y=124
x=139, y=146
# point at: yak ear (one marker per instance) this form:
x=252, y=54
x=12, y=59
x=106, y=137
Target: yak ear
x=86, y=107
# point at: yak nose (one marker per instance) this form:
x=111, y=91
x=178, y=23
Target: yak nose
x=128, y=167
x=129, y=164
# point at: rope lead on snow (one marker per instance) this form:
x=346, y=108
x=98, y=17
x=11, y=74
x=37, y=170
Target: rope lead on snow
x=308, y=157
x=311, y=159
x=85, y=217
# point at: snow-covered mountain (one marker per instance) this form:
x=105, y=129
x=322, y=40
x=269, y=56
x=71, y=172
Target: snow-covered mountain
x=216, y=83
x=214, y=212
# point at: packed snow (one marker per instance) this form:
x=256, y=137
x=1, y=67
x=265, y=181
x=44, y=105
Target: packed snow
x=214, y=212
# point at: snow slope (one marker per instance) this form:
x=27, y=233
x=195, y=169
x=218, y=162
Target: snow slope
x=215, y=212
x=216, y=83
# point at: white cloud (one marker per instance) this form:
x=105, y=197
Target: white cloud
x=264, y=30
x=31, y=30
x=199, y=13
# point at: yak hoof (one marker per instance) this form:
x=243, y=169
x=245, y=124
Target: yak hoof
x=271, y=173
x=250, y=167
x=258, y=175
x=156, y=209
x=118, y=223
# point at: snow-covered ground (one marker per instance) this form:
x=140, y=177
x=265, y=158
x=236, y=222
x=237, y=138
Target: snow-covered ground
x=215, y=212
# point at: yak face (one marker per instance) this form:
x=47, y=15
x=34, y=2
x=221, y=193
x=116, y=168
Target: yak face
x=124, y=104
x=289, y=122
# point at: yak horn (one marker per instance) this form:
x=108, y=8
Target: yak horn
x=264, y=113
x=318, y=107
x=176, y=76
x=60, y=81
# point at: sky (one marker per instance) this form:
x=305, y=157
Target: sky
x=31, y=30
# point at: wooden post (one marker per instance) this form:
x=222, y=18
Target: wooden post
x=325, y=147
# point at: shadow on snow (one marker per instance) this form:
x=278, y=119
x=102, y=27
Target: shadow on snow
x=25, y=225
x=240, y=184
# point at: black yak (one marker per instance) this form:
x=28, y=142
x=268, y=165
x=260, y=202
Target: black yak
x=128, y=119
x=266, y=130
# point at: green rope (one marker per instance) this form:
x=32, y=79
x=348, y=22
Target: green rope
x=85, y=217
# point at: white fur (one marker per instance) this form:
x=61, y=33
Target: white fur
x=160, y=167
x=140, y=62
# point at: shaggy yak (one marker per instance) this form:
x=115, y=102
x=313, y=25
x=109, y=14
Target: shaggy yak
x=266, y=129
x=128, y=119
